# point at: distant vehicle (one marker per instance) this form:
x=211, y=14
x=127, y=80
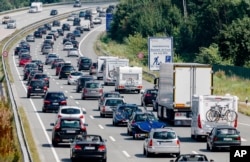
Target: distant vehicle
x=92, y=69
x=97, y=20
x=86, y=25
x=38, y=34
x=80, y=28
x=77, y=33
x=53, y=12
x=56, y=23
x=77, y=4
x=55, y=61
x=50, y=58
x=81, y=82
x=65, y=71
x=161, y=141
x=24, y=59
x=36, y=88
x=108, y=94
x=31, y=74
x=84, y=63
x=82, y=14
x=46, y=49
x=91, y=143
x=77, y=21
x=74, y=76
x=192, y=157
x=71, y=111
x=102, y=14
x=70, y=18
x=73, y=52
x=30, y=38
x=11, y=24
x=6, y=19
x=66, y=27
x=41, y=76
x=148, y=95
x=100, y=67
x=53, y=100
x=68, y=46
x=36, y=7
x=109, y=105
x=39, y=64
x=92, y=89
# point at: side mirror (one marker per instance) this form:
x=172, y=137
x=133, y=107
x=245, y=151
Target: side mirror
x=52, y=124
x=85, y=124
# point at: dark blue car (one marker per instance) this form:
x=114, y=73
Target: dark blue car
x=53, y=100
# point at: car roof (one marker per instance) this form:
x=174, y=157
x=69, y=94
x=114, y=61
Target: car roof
x=72, y=107
x=224, y=126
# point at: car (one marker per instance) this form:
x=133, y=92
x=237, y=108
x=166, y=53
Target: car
x=75, y=43
x=27, y=68
x=42, y=76
x=47, y=26
x=73, y=77
x=82, y=14
x=47, y=48
x=70, y=18
x=97, y=20
x=23, y=52
x=55, y=33
x=102, y=14
x=31, y=74
x=60, y=32
x=92, y=69
x=53, y=100
x=24, y=59
x=66, y=27
x=55, y=61
x=39, y=63
x=6, y=19
x=56, y=23
x=58, y=67
x=88, y=147
x=77, y=4
x=53, y=12
x=42, y=29
x=84, y=63
x=80, y=28
x=36, y=88
x=123, y=112
x=77, y=21
x=92, y=89
x=77, y=33
x=99, y=9
x=192, y=157
x=50, y=58
x=38, y=34
x=71, y=111
x=161, y=141
x=50, y=37
x=67, y=128
x=67, y=46
x=65, y=71
x=223, y=136
x=109, y=105
x=148, y=95
x=81, y=82
x=141, y=123
x=73, y=52
x=24, y=45
x=107, y=95
x=30, y=38
x=70, y=36
x=17, y=49
x=11, y=24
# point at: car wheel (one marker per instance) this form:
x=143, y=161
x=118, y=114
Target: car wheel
x=144, y=151
x=208, y=147
x=104, y=160
x=60, y=77
x=68, y=83
x=43, y=110
x=192, y=136
x=28, y=95
x=178, y=154
x=55, y=144
x=148, y=154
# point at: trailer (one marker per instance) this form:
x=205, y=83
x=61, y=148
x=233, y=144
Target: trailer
x=128, y=79
x=177, y=83
x=36, y=7
x=99, y=67
x=224, y=111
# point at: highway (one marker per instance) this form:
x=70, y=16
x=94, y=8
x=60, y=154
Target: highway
x=121, y=147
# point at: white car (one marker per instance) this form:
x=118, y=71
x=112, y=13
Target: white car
x=73, y=52
x=97, y=20
x=70, y=18
x=71, y=111
x=73, y=77
x=11, y=24
x=68, y=46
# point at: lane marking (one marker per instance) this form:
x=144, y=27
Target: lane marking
x=77, y=102
x=112, y=139
x=245, y=124
x=101, y=126
x=70, y=96
x=194, y=152
x=125, y=153
x=91, y=117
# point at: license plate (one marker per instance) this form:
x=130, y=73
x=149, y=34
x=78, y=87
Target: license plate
x=89, y=148
x=55, y=103
x=38, y=89
x=70, y=131
x=227, y=139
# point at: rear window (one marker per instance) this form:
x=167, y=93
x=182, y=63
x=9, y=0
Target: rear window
x=67, y=68
x=40, y=76
x=70, y=123
x=152, y=91
x=112, y=95
x=70, y=111
x=164, y=135
x=55, y=96
x=113, y=102
x=36, y=83
x=92, y=85
x=226, y=131
x=85, y=61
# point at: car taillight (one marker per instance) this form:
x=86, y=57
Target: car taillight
x=102, y=148
x=78, y=147
x=63, y=102
x=178, y=142
x=147, y=95
x=83, y=128
x=59, y=116
x=103, y=109
x=46, y=102
x=215, y=138
x=150, y=143
x=238, y=138
x=236, y=123
x=29, y=87
x=100, y=90
x=46, y=79
x=57, y=127
x=82, y=116
x=199, y=122
x=85, y=90
x=45, y=88
x=139, y=87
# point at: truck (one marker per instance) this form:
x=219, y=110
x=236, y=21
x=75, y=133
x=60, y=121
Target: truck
x=109, y=69
x=128, y=79
x=177, y=83
x=203, y=105
x=36, y=7
x=99, y=67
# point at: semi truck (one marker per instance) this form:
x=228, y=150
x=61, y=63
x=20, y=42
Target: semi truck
x=128, y=79
x=36, y=7
x=99, y=67
x=177, y=83
x=224, y=111
x=109, y=69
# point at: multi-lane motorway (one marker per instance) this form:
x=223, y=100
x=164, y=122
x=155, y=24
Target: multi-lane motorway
x=120, y=146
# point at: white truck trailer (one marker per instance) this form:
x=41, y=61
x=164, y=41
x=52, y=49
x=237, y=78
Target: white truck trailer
x=128, y=79
x=205, y=105
x=36, y=7
x=109, y=69
x=177, y=83
x=99, y=67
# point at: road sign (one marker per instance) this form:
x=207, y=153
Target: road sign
x=5, y=53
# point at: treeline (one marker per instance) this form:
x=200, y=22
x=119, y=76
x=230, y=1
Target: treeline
x=6, y=5
x=205, y=31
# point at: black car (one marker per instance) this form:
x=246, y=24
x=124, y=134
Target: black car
x=42, y=29
x=55, y=61
x=27, y=73
x=148, y=96
x=80, y=28
x=88, y=147
x=48, y=26
x=56, y=23
x=53, y=12
x=65, y=71
x=81, y=82
x=38, y=34
x=77, y=33
x=53, y=100
x=36, y=88
x=76, y=21
x=60, y=32
x=123, y=112
x=67, y=128
x=75, y=43
x=66, y=27
x=106, y=95
x=17, y=49
x=39, y=63
x=27, y=68
x=42, y=76
x=84, y=63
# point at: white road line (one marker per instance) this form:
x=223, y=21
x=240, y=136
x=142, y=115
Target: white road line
x=61, y=86
x=70, y=96
x=112, y=139
x=243, y=139
x=126, y=154
x=77, y=102
x=56, y=82
x=66, y=92
x=101, y=126
x=91, y=117
x=245, y=124
x=194, y=152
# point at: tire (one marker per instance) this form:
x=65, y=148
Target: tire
x=43, y=110
x=144, y=151
x=68, y=83
x=148, y=154
x=208, y=147
x=212, y=115
x=104, y=160
x=55, y=144
x=231, y=115
x=192, y=136
x=178, y=154
x=28, y=95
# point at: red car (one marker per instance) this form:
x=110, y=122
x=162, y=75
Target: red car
x=58, y=67
x=24, y=59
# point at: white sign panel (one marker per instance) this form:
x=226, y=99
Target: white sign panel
x=160, y=50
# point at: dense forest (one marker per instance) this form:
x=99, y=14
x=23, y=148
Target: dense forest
x=205, y=31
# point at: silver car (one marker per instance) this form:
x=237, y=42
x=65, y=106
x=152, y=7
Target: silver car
x=11, y=24
x=74, y=76
x=109, y=105
x=50, y=58
x=92, y=89
x=161, y=141
x=73, y=52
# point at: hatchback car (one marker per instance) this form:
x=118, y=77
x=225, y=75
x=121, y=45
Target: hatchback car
x=53, y=12
x=42, y=76
x=148, y=95
x=24, y=59
x=39, y=64
x=97, y=20
x=38, y=34
x=55, y=61
x=161, y=141
x=73, y=52
x=53, y=100
x=47, y=49
x=11, y=24
x=109, y=105
x=108, y=94
x=65, y=71
x=84, y=63
x=56, y=23
x=92, y=89
x=36, y=88
x=67, y=46
x=50, y=58
x=223, y=136
x=74, y=76
x=66, y=128
x=66, y=27
x=192, y=157
x=30, y=38
x=31, y=74
x=81, y=82
x=71, y=111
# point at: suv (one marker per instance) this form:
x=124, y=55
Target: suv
x=41, y=76
x=53, y=100
x=148, y=95
x=81, y=82
x=161, y=141
x=84, y=63
x=11, y=24
x=92, y=89
x=108, y=95
x=66, y=26
x=36, y=88
x=65, y=71
x=53, y=12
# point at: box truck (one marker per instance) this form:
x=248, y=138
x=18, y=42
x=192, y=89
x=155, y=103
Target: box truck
x=36, y=7
x=128, y=79
x=209, y=111
x=177, y=83
x=99, y=67
x=109, y=69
